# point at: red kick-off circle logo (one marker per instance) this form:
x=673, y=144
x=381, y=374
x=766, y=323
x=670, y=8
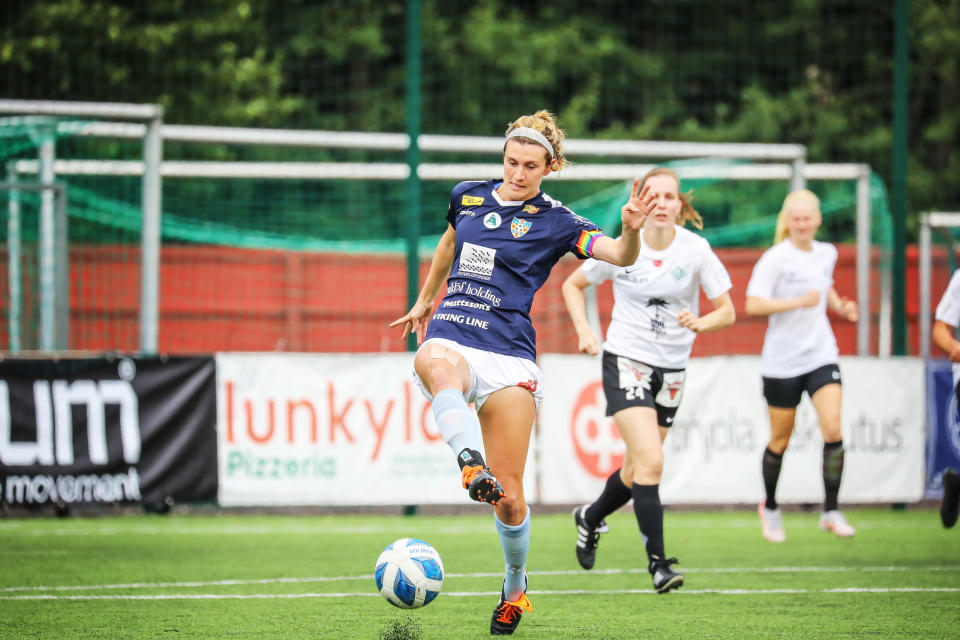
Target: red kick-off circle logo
x=595, y=438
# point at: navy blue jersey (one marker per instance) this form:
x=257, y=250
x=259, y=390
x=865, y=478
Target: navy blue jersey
x=504, y=254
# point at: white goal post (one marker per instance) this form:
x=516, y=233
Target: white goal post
x=149, y=118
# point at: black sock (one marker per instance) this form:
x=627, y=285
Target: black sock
x=832, y=472
x=771, y=475
x=649, y=512
x=615, y=494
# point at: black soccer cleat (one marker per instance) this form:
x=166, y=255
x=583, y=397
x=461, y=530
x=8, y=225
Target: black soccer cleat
x=587, y=538
x=950, y=506
x=476, y=478
x=665, y=578
x=507, y=615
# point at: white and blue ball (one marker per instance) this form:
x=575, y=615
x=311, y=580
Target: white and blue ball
x=409, y=573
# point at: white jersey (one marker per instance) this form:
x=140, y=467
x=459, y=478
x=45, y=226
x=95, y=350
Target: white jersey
x=650, y=293
x=948, y=312
x=800, y=340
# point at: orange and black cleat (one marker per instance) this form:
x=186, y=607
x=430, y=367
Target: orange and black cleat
x=477, y=479
x=506, y=616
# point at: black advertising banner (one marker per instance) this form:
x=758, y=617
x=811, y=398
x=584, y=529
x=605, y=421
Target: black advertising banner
x=108, y=429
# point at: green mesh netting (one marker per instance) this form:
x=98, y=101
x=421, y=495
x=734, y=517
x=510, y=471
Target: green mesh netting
x=344, y=217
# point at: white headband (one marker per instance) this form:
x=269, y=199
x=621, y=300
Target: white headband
x=533, y=134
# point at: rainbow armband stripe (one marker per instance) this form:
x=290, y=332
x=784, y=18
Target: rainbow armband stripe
x=586, y=240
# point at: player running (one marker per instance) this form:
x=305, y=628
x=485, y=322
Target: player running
x=793, y=284
x=654, y=323
x=944, y=331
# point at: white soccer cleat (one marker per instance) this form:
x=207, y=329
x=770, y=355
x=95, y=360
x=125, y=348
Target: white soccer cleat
x=835, y=522
x=772, y=521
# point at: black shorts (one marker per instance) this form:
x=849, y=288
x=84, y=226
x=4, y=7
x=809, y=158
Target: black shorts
x=785, y=393
x=630, y=383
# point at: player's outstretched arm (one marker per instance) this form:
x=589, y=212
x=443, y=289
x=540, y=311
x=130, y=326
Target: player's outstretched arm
x=576, y=302
x=417, y=319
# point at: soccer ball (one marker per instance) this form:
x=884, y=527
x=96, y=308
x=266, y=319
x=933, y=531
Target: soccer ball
x=409, y=573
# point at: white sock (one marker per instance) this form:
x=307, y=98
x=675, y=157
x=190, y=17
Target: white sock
x=515, y=541
x=458, y=425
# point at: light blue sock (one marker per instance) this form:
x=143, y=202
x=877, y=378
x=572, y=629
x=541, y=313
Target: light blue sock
x=515, y=541
x=458, y=425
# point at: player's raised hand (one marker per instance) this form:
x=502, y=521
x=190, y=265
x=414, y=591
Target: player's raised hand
x=638, y=207
x=416, y=321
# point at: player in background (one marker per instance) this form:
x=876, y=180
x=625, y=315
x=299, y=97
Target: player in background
x=503, y=238
x=654, y=323
x=944, y=331
x=792, y=283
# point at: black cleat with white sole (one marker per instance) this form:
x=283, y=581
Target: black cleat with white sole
x=665, y=578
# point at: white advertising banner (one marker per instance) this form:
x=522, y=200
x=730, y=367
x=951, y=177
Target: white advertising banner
x=330, y=429
x=713, y=452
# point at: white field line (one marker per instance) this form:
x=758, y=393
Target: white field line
x=486, y=594
x=25, y=528
x=600, y=572
x=231, y=530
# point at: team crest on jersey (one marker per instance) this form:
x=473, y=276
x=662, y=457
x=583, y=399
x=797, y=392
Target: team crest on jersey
x=492, y=220
x=529, y=208
x=519, y=227
x=678, y=273
x=471, y=201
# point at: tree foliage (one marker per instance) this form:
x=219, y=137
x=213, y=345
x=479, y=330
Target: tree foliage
x=817, y=72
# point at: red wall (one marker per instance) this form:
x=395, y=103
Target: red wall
x=228, y=299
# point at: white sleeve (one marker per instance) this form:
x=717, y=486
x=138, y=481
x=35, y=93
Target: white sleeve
x=714, y=278
x=834, y=254
x=948, y=311
x=597, y=271
x=764, y=277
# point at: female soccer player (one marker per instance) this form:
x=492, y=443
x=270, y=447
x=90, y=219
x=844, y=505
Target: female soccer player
x=793, y=284
x=503, y=237
x=944, y=329
x=654, y=322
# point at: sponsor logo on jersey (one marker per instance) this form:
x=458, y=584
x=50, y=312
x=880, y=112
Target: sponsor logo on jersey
x=529, y=208
x=467, y=212
x=657, y=325
x=519, y=227
x=492, y=221
x=658, y=263
x=477, y=261
x=471, y=201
